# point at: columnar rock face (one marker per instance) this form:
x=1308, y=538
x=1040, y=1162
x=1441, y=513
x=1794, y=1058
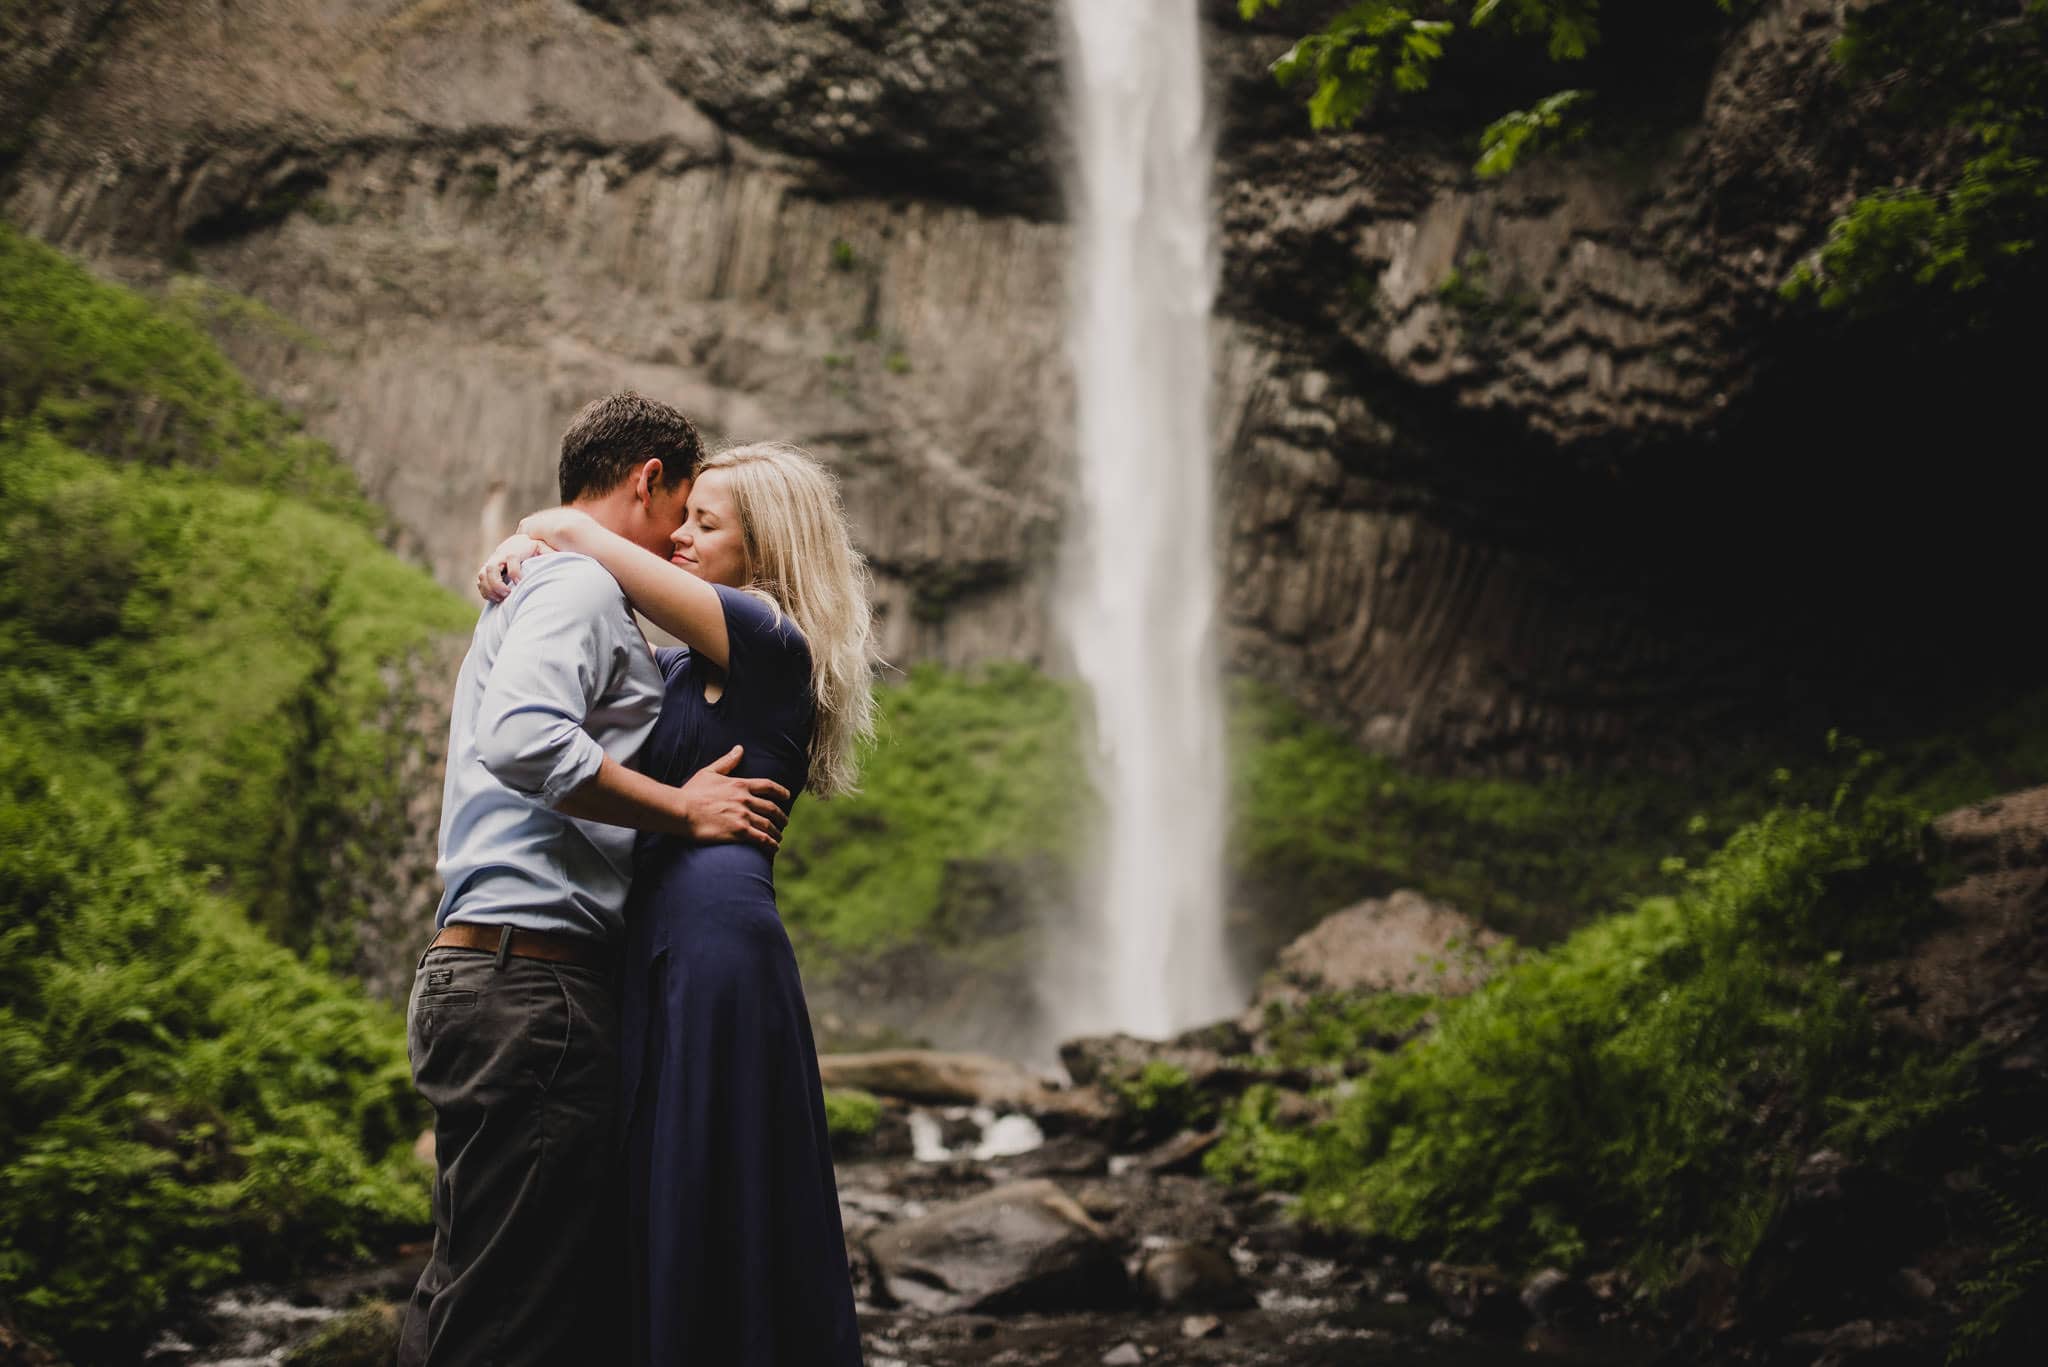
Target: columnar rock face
x=838, y=221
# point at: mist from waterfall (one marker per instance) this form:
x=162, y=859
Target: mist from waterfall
x=1140, y=588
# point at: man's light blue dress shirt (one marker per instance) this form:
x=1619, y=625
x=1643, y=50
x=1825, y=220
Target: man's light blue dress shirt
x=557, y=677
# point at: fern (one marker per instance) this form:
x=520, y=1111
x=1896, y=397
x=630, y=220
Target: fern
x=2011, y=1292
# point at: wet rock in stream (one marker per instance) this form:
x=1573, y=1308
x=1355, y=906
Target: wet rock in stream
x=1023, y=1246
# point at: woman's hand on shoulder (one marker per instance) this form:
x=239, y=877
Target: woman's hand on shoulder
x=504, y=567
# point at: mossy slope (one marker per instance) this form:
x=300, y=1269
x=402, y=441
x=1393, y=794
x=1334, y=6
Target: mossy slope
x=200, y=635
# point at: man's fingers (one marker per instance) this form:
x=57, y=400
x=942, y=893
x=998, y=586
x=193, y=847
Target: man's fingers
x=768, y=788
x=761, y=806
x=725, y=762
x=764, y=833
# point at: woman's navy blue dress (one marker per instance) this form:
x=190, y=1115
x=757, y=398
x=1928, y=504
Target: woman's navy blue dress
x=738, y=1255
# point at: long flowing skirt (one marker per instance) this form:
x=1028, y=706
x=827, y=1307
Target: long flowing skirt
x=739, y=1259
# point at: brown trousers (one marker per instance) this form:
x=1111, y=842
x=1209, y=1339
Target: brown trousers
x=520, y=1062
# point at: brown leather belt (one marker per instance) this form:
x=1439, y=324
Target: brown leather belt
x=524, y=944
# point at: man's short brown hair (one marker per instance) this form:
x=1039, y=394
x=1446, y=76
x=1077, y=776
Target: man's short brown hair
x=615, y=435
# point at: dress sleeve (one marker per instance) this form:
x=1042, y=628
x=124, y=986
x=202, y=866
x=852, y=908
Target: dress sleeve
x=767, y=660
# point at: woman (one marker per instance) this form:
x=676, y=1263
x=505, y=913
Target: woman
x=738, y=1256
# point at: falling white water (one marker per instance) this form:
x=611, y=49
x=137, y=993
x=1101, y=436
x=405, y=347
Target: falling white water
x=1141, y=593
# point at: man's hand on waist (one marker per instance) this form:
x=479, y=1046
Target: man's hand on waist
x=720, y=808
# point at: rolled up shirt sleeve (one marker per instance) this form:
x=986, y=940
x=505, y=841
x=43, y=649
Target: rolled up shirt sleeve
x=556, y=659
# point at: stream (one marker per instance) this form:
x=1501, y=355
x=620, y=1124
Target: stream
x=1272, y=1297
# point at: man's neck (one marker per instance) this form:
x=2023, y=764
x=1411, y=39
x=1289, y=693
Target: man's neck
x=608, y=511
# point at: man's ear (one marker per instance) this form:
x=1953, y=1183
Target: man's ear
x=646, y=481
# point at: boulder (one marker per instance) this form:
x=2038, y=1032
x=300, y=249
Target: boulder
x=1024, y=1246
x=1115, y=1067
x=19, y=1350
x=1399, y=943
x=1180, y=1154
x=1162, y=1211
x=1070, y=1155
x=364, y=1337
x=1192, y=1276
x=1859, y=1343
x=1553, y=1297
x=1095, y=1060
x=935, y=1078
x=1481, y=1294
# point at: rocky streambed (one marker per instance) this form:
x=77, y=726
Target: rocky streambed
x=978, y=1237
x=1072, y=1253
x=995, y=1214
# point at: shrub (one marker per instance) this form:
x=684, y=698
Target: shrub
x=186, y=1101
x=1604, y=1095
x=1160, y=1098
x=1256, y=1146
x=1343, y=1030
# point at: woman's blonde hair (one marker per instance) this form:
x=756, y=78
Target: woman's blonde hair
x=801, y=558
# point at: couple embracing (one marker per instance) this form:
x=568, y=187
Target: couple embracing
x=632, y=1162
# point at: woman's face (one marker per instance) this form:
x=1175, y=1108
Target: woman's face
x=708, y=543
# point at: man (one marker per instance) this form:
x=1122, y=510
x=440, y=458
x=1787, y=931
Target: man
x=513, y=1023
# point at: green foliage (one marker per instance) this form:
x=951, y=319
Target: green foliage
x=1910, y=1091
x=987, y=770
x=134, y=603
x=106, y=370
x=185, y=1099
x=1256, y=1146
x=221, y=643
x=2010, y=1292
x=1549, y=123
x=1980, y=68
x=1895, y=243
x=1365, y=50
x=1326, y=823
x=1160, y=1096
x=967, y=770
x=851, y=1114
x=1373, y=52
x=1343, y=1030
x=1603, y=1095
x=201, y=642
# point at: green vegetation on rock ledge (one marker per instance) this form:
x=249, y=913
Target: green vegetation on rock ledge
x=1972, y=224
x=1599, y=1097
x=202, y=641
x=968, y=770
x=1648, y=1087
x=1376, y=51
x=986, y=771
x=1978, y=229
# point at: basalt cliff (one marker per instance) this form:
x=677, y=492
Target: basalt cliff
x=1516, y=474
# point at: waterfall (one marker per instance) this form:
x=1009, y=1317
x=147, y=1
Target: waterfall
x=1140, y=593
